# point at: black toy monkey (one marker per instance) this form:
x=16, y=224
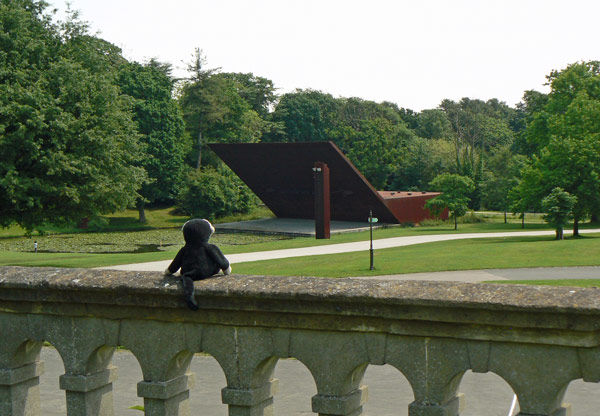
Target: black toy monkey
x=197, y=259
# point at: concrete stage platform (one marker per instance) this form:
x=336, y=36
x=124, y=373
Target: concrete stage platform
x=293, y=226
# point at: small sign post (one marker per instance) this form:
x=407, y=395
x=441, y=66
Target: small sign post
x=371, y=221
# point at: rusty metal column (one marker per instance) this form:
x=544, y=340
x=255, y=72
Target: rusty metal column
x=322, y=200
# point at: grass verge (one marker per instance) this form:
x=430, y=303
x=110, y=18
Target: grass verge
x=484, y=253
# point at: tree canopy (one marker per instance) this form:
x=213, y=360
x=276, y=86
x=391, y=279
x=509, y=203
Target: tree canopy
x=215, y=110
x=565, y=131
x=455, y=190
x=84, y=132
x=68, y=142
x=161, y=128
x=558, y=206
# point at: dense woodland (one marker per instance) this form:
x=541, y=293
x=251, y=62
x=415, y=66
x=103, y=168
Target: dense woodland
x=85, y=132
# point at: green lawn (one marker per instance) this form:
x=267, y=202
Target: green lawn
x=112, y=248
x=441, y=256
x=390, y=232
x=95, y=249
x=120, y=239
x=10, y=258
x=120, y=242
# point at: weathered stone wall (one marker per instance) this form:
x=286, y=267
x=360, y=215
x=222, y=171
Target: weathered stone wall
x=538, y=339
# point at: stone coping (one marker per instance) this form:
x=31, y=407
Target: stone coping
x=464, y=295
x=513, y=313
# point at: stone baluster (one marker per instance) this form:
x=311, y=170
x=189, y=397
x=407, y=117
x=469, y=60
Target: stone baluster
x=20, y=367
x=247, y=357
x=164, y=351
x=347, y=405
x=88, y=375
x=19, y=390
x=539, y=375
x=89, y=394
x=337, y=362
x=86, y=346
x=167, y=398
x=434, y=368
x=250, y=402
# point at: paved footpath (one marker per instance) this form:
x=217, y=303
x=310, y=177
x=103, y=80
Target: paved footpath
x=470, y=276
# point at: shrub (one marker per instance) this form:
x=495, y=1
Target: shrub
x=431, y=222
x=471, y=218
x=455, y=190
x=212, y=193
x=558, y=206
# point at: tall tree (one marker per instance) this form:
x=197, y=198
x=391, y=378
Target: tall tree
x=532, y=120
x=478, y=127
x=214, y=110
x=410, y=118
x=566, y=130
x=307, y=116
x=434, y=124
x=376, y=147
x=558, y=206
x=353, y=111
x=257, y=91
x=373, y=135
x=525, y=195
x=67, y=139
x=455, y=195
x=504, y=169
x=161, y=127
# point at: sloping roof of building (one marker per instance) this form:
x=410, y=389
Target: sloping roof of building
x=281, y=175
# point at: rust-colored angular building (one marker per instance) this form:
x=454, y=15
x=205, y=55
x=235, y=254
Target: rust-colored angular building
x=409, y=207
x=281, y=175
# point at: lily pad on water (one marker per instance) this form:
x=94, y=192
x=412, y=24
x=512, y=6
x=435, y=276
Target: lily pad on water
x=122, y=242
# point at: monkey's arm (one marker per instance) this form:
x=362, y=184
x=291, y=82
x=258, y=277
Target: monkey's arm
x=217, y=255
x=176, y=263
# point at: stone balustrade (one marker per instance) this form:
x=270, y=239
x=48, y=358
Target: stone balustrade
x=537, y=339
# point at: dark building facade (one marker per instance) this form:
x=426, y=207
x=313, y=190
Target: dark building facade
x=281, y=175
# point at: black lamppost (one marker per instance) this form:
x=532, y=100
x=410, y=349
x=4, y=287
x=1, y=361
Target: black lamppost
x=371, y=221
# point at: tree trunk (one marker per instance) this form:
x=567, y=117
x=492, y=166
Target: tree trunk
x=575, y=227
x=559, y=233
x=142, y=212
x=456, y=222
x=199, y=161
x=523, y=220
x=505, y=221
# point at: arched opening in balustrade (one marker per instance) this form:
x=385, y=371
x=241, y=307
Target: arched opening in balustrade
x=296, y=388
x=205, y=396
x=390, y=392
x=584, y=397
x=126, y=400
x=52, y=398
x=487, y=394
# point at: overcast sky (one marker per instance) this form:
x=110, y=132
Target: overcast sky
x=412, y=53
